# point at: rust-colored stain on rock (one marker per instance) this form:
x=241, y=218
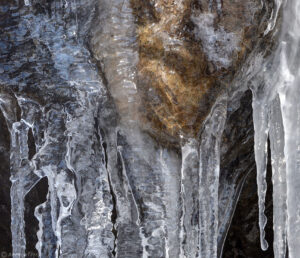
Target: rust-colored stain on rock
x=176, y=79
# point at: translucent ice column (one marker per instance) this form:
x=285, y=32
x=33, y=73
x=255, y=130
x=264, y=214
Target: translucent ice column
x=209, y=180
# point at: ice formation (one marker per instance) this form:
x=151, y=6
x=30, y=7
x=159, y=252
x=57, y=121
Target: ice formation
x=218, y=44
x=209, y=168
x=277, y=116
x=108, y=180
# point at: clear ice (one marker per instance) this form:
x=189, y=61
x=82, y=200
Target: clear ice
x=276, y=107
x=108, y=181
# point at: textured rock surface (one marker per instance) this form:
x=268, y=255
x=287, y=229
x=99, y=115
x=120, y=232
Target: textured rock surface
x=189, y=52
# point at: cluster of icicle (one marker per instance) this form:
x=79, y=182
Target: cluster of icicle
x=93, y=165
x=276, y=115
x=76, y=219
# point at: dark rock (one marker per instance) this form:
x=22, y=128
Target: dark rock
x=5, y=233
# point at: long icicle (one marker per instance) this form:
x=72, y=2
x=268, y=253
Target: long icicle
x=260, y=119
x=189, y=178
x=276, y=135
x=209, y=180
x=18, y=158
x=289, y=92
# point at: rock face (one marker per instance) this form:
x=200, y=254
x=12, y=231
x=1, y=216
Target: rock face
x=183, y=55
x=105, y=107
x=245, y=224
x=189, y=52
x=5, y=241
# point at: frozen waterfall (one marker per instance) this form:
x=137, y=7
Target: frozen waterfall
x=113, y=189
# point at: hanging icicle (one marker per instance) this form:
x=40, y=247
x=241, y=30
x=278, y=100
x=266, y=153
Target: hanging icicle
x=209, y=169
x=276, y=136
x=260, y=119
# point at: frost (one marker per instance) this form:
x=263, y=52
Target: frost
x=218, y=44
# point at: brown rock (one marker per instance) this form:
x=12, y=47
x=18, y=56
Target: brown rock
x=188, y=53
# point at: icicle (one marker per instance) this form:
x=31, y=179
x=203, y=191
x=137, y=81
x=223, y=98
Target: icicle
x=276, y=134
x=17, y=220
x=169, y=165
x=260, y=119
x=46, y=245
x=19, y=170
x=289, y=93
x=100, y=240
x=209, y=180
x=66, y=194
x=127, y=186
x=50, y=172
x=130, y=196
x=189, y=177
x=289, y=97
x=291, y=120
x=182, y=233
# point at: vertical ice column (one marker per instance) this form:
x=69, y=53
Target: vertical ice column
x=260, y=119
x=291, y=120
x=289, y=98
x=18, y=162
x=46, y=245
x=209, y=180
x=129, y=213
x=114, y=44
x=170, y=168
x=22, y=176
x=190, y=201
x=85, y=157
x=66, y=194
x=276, y=134
x=289, y=92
